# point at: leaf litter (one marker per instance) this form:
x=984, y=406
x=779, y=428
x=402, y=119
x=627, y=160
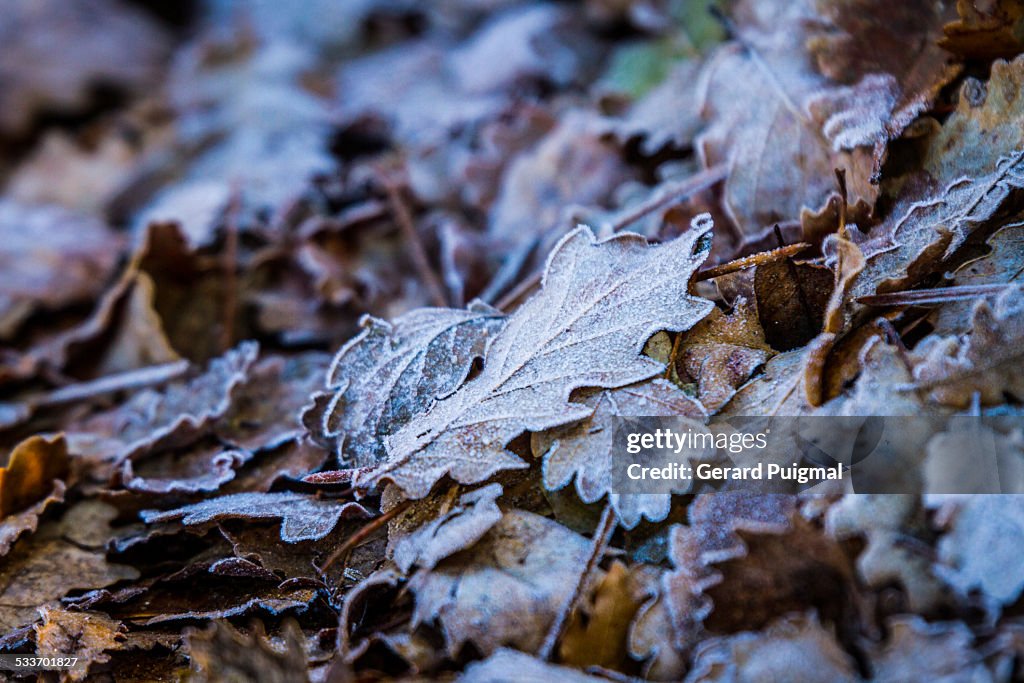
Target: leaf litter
x=511, y=223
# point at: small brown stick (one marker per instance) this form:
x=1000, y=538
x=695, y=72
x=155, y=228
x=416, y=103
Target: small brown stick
x=230, y=266
x=602, y=536
x=360, y=536
x=746, y=262
x=843, y=201
x=400, y=212
x=671, y=194
x=132, y=379
x=672, y=355
x=923, y=297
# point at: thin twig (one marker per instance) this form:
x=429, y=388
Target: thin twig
x=602, y=536
x=665, y=197
x=124, y=381
x=746, y=262
x=671, y=194
x=400, y=212
x=358, y=537
x=923, y=297
x=230, y=265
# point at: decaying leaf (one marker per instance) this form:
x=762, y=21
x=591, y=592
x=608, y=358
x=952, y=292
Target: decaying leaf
x=554, y=343
x=51, y=258
x=985, y=29
x=222, y=653
x=174, y=416
x=60, y=557
x=85, y=635
x=506, y=589
x=598, y=634
x=892, y=66
x=918, y=649
x=455, y=529
x=507, y=664
x=101, y=42
x=979, y=547
x=302, y=518
x=393, y=372
x=798, y=650
x=585, y=449
x=986, y=363
x=892, y=553
x=721, y=353
x=31, y=472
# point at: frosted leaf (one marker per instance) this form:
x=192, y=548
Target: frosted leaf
x=556, y=342
x=393, y=372
x=302, y=518
x=585, y=449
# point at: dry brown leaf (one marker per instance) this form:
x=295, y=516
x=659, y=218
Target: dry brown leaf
x=721, y=352
x=506, y=589
x=986, y=363
x=1001, y=265
x=798, y=650
x=790, y=302
x=453, y=530
x=222, y=653
x=980, y=549
x=88, y=636
x=60, y=557
x=174, y=416
x=393, y=372
x=31, y=472
x=985, y=29
x=13, y=526
x=50, y=258
x=554, y=343
x=572, y=165
x=597, y=635
x=265, y=411
x=101, y=42
x=204, y=467
x=919, y=650
x=888, y=522
x=302, y=518
x=756, y=98
x=585, y=450
x=937, y=213
x=887, y=55
x=506, y=665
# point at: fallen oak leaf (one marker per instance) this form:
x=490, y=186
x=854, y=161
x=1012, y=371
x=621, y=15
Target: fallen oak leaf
x=585, y=450
x=987, y=363
x=797, y=649
x=85, y=636
x=506, y=664
x=554, y=343
x=393, y=372
x=61, y=556
x=175, y=415
x=457, y=528
x=532, y=562
x=302, y=518
x=30, y=472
